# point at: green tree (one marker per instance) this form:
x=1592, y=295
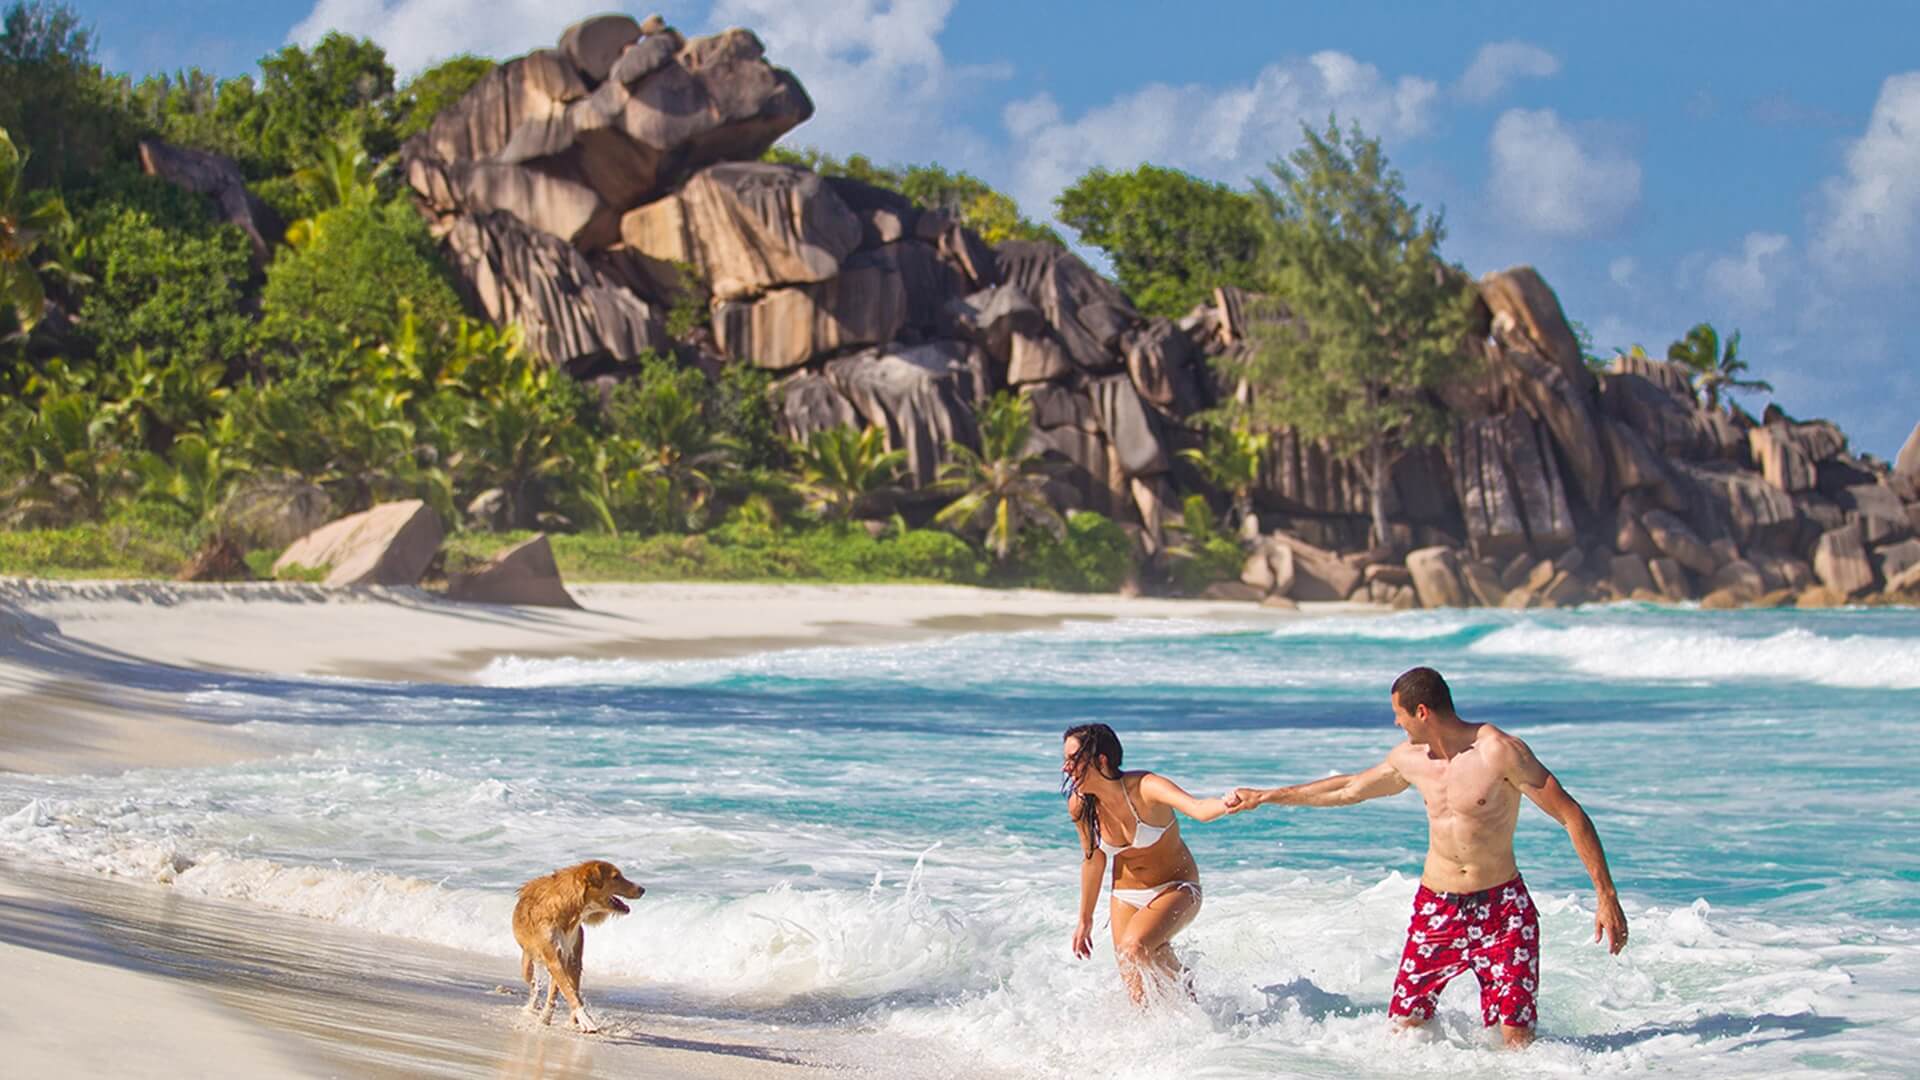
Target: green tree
x=32, y=223
x=58, y=462
x=431, y=91
x=1376, y=319
x=194, y=108
x=55, y=99
x=846, y=473
x=1003, y=486
x=1172, y=238
x=308, y=96
x=1716, y=365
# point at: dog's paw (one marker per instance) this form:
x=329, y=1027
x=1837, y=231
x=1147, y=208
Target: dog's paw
x=584, y=1023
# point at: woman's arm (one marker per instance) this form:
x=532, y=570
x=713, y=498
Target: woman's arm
x=1158, y=789
x=1092, y=868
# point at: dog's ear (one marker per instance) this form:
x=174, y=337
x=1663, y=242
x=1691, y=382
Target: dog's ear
x=599, y=873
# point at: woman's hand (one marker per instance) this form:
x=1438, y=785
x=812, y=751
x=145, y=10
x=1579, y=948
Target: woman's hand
x=1083, y=939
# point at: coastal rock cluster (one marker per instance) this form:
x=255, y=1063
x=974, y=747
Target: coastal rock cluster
x=582, y=188
x=585, y=190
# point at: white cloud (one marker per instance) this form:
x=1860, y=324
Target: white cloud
x=1749, y=281
x=1221, y=133
x=1867, y=225
x=1622, y=269
x=1545, y=181
x=418, y=33
x=1499, y=65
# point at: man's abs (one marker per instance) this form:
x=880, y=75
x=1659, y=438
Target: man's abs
x=1467, y=852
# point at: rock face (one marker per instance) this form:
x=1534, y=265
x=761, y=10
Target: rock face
x=522, y=575
x=568, y=148
x=391, y=544
x=1436, y=577
x=571, y=313
x=748, y=226
x=219, y=179
x=1840, y=561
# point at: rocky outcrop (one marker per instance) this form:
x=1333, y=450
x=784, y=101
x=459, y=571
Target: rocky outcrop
x=1509, y=485
x=787, y=327
x=1906, y=466
x=1840, y=561
x=523, y=575
x=919, y=395
x=1436, y=577
x=748, y=226
x=391, y=544
x=219, y=179
x=568, y=148
x=570, y=311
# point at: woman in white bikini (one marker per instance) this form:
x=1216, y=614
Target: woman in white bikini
x=1129, y=817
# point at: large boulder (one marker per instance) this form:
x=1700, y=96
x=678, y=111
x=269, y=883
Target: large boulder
x=522, y=575
x=1906, y=464
x=1780, y=458
x=1128, y=424
x=1085, y=311
x=391, y=544
x=568, y=148
x=1527, y=316
x=1160, y=360
x=1643, y=397
x=1881, y=516
x=1545, y=392
x=1318, y=574
x=748, y=226
x=1678, y=542
x=1840, y=560
x=571, y=312
x=1896, y=559
x=918, y=394
x=272, y=511
x=1436, y=577
x=219, y=179
x=865, y=305
x=1301, y=474
x=809, y=402
x=1508, y=483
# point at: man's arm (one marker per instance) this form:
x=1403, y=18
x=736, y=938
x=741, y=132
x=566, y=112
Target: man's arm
x=1525, y=772
x=1380, y=781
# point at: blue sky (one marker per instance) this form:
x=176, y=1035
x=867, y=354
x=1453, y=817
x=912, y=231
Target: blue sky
x=1755, y=164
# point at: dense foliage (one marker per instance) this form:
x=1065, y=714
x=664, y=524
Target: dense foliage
x=1172, y=238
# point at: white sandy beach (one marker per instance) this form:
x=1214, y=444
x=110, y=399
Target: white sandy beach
x=92, y=680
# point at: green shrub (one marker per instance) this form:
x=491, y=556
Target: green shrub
x=1095, y=555
x=167, y=279
x=345, y=282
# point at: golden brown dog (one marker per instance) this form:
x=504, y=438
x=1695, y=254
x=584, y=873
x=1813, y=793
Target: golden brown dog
x=550, y=922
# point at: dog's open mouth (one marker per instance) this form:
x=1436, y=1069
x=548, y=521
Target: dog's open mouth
x=618, y=905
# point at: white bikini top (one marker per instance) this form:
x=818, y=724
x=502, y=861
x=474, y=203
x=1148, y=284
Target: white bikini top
x=1144, y=835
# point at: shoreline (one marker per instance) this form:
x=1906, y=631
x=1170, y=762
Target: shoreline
x=100, y=675
x=103, y=677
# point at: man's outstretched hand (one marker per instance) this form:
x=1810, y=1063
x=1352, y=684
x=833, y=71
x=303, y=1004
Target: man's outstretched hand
x=1240, y=799
x=1611, y=923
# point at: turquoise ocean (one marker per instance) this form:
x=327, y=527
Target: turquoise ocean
x=870, y=843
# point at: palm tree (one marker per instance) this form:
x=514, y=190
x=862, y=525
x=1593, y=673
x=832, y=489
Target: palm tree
x=1715, y=369
x=1231, y=462
x=341, y=174
x=30, y=223
x=1003, y=486
x=668, y=440
x=844, y=473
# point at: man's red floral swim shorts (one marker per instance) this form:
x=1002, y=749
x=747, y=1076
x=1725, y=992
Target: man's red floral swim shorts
x=1495, y=933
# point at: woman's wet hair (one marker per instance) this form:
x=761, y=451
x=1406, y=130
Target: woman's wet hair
x=1096, y=741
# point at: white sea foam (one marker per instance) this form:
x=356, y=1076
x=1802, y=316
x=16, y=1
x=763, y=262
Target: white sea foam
x=1632, y=652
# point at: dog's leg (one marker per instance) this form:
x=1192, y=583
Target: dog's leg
x=563, y=980
x=532, y=981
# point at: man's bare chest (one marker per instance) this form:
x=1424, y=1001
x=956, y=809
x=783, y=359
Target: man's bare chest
x=1464, y=787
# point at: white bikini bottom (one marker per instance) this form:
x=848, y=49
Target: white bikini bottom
x=1139, y=898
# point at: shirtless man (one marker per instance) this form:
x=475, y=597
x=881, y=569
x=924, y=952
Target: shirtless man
x=1472, y=911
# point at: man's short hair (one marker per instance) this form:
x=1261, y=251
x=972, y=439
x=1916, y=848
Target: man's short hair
x=1423, y=686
